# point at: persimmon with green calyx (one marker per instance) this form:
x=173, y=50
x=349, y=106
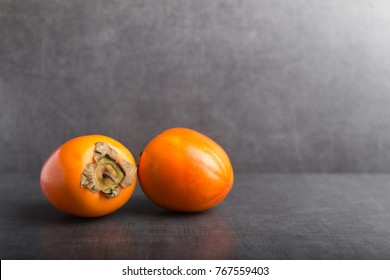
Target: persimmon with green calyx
x=184, y=170
x=89, y=176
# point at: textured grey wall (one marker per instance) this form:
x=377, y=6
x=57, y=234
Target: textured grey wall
x=283, y=86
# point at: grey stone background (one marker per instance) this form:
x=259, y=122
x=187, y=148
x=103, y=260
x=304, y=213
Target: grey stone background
x=283, y=86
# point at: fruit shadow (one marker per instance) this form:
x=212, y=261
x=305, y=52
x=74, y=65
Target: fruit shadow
x=42, y=212
x=141, y=206
x=60, y=236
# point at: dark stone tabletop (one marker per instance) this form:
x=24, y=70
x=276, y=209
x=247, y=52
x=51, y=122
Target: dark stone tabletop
x=264, y=217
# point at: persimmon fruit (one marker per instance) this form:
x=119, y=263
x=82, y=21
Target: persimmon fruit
x=89, y=176
x=184, y=170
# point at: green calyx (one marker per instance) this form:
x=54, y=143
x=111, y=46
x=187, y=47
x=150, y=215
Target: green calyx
x=106, y=174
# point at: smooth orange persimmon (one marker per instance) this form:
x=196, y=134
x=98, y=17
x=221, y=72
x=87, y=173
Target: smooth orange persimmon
x=89, y=176
x=184, y=170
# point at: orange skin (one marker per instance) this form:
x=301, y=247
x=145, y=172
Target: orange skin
x=61, y=175
x=184, y=170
